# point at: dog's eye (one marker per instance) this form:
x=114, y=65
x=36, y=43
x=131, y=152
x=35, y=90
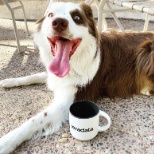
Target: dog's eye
x=77, y=18
x=50, y=15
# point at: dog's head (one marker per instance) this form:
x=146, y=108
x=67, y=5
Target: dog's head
x=68, y=28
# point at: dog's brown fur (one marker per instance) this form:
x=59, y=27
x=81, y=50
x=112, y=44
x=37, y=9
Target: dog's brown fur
x=127, y=66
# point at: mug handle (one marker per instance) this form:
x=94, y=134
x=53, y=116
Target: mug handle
x=104, y=127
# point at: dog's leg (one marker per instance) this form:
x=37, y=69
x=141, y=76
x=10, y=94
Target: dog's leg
x=54, y=115
x=24, y=81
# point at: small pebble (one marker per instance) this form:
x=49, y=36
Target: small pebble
x=62, y=140
x=65, y=135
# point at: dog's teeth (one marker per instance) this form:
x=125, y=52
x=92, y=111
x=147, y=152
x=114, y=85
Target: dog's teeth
x=55, y=47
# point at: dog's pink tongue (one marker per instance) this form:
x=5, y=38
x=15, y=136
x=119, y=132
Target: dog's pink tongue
x=60, y=64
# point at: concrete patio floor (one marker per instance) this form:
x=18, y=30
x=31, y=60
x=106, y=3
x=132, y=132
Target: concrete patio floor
x=132, y=130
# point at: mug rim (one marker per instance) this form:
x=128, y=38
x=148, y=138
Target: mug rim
x=88, y=101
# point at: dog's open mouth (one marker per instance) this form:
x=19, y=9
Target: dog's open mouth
x=62, y=50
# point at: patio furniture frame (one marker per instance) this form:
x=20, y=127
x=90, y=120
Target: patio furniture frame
x=12, y=9
x=144, y=6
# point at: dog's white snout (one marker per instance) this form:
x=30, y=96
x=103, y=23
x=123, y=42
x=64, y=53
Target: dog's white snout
x=59, y=24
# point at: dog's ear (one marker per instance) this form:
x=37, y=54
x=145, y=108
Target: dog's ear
x=90, y=19
x=40, y=20
x=87, y=10
x=39, y=23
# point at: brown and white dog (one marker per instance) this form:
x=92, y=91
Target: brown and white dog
x=82, y=64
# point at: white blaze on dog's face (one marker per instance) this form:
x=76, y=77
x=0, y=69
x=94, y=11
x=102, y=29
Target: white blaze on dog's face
x=67, y=28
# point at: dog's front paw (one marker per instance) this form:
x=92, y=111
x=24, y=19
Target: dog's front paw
x=7, y=83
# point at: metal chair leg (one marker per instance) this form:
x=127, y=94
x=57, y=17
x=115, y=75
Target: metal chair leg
x=6, y=2
x=116, y=19
x=15, y=30
x=24, y=14
x=146, y=23
x=100, y=15
x=14, y=25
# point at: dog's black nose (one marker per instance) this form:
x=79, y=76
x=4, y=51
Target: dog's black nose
x=59, y=24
